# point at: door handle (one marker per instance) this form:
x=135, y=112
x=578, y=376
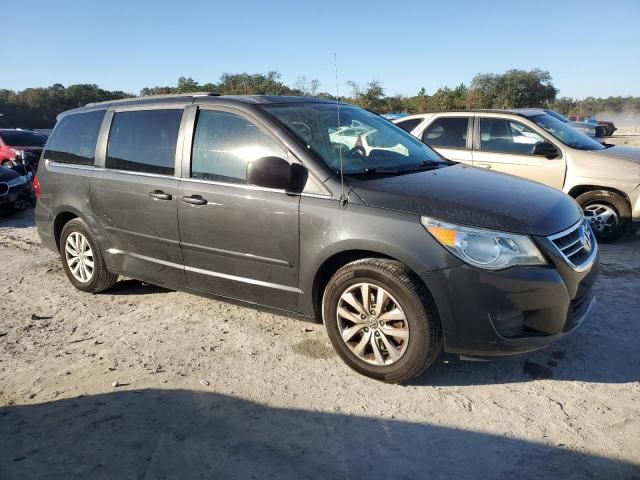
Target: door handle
x=160, y=195
x=195, y=200
x=483, y=165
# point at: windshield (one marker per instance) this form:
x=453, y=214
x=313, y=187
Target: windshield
x=19, y=138
x=566, y=134
x=555, y=114
x=366, y=142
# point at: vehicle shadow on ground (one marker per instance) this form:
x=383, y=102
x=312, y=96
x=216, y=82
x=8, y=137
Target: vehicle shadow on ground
x=185, y=434
x=135, y=287
x=17, y=219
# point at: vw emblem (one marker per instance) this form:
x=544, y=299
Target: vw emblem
x=585, y=238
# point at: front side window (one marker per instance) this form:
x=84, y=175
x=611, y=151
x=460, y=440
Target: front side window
x=144, y=141
x=223, y=145
x=448, y=132
x=74, y=138
x=502, y=135
x=361, y=142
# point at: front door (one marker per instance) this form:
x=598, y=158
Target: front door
x=135, y=196
x=506, y=145
x=238, y=240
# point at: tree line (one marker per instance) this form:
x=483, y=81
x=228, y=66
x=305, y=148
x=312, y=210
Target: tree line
x=38, y=107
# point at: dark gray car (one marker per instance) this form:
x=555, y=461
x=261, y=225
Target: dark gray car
x=242, y=198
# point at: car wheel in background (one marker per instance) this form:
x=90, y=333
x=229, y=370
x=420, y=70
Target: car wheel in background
x=609, y=214
x=82, y=260
x=381, y=320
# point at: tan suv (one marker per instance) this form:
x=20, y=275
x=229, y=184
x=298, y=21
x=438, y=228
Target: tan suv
x=604, y=179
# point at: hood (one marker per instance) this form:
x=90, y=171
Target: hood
x=613, y=163
x=470, y=196
x=631, y=154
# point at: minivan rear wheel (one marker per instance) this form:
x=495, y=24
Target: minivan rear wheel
x=608, y=214
x=381, y=320
x=82, y=260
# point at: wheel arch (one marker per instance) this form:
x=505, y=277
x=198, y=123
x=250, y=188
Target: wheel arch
x=341, y=258
x=578, y=190
x=64, y=215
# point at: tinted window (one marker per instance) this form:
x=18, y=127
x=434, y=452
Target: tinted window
x=225, y=143
x=74, y=138
x=408, y=125
x=144, y=141
x=19, y=138
x=506, y=136
x=447, y=132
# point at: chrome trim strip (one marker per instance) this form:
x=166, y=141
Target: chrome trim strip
x=243, y=256
x=140, y=174
x=250, y=281
x=54, y=164
x=183, y=179
x=236, y=185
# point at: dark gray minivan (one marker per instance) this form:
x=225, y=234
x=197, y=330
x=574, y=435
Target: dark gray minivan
x=318, y=209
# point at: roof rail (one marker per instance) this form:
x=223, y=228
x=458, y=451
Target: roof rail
x=159, y=97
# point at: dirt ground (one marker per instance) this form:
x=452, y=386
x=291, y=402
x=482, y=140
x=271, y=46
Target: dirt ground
x=628, y=136
x=211, y=390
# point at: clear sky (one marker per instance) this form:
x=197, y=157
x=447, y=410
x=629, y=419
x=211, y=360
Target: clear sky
x=590, y=47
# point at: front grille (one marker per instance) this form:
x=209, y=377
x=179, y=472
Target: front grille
x=577, y=245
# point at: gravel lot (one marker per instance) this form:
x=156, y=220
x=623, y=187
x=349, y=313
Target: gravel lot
x=208, y=389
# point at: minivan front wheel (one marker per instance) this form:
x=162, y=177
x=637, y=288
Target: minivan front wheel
x=381, y=320
x=82, y=260
x=608, y=214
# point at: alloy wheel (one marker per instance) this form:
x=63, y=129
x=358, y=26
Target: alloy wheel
x=372, y=324
x=79, y=257
x=602, y=218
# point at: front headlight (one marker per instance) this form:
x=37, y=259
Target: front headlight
x=17, y=181
x=488, y=249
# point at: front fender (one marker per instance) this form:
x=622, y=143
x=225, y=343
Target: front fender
x=327, y=230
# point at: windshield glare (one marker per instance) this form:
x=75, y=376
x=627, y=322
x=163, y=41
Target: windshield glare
x=364, y=141
x=566, y=134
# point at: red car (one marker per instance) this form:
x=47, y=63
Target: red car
x=12, y=141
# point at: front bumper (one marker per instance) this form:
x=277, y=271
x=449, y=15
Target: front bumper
x=512, y=311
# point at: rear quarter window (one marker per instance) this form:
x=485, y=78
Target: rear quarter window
x=74, y=138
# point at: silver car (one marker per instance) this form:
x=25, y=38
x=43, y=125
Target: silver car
x=603, y=179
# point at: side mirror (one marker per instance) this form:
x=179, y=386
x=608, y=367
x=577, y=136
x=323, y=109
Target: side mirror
x=276, y=172
x=545, y=149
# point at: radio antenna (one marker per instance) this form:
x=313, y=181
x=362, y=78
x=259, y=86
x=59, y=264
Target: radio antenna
x=343, y=199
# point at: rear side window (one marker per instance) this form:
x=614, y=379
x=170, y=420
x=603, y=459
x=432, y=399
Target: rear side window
x=223, y=145
x=74, y=138
x=408, y=125
x=144, y=141
x=448, y=132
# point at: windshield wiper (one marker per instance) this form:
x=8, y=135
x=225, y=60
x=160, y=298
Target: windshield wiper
x=424, y=165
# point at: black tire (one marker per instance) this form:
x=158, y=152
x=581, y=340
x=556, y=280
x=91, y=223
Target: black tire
x=101, y=279
x=619, y=204
x=425, y=337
